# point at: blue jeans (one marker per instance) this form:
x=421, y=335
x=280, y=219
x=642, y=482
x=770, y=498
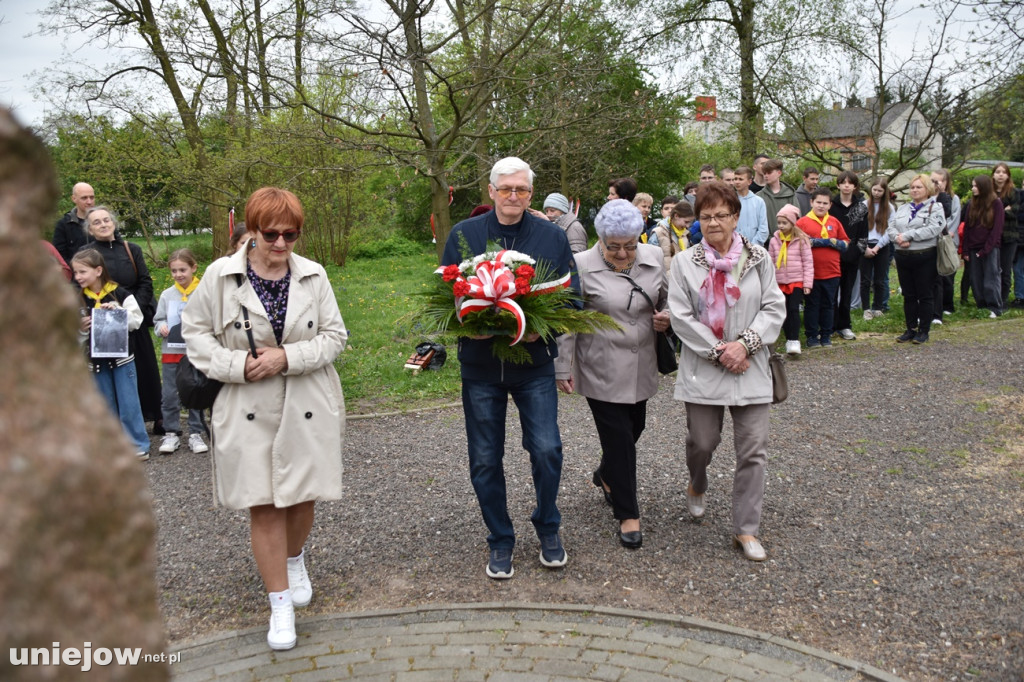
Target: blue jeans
x=820, y=309
x=171, y=405
x=121, y=389
x=485, y=404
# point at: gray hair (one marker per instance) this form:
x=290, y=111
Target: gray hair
x=113, y=216
x=619, y=219
x=508, y=166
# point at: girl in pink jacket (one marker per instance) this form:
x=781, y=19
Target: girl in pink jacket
x=790, y=250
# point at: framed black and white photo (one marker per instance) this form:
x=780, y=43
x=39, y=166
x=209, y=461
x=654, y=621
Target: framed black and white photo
x=109, y=333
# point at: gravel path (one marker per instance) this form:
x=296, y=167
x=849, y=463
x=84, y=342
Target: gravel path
x=893, y=518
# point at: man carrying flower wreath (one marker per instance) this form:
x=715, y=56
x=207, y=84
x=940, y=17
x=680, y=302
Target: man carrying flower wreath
x=487, y=380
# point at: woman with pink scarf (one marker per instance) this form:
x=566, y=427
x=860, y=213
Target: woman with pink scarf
x=727, y=310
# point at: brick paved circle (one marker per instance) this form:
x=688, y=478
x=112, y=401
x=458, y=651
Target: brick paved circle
x=512, y=643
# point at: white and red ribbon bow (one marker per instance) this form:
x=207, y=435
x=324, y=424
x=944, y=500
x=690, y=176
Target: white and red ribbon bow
x=494, y=285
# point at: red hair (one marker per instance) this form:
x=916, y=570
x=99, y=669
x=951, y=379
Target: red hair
x=270, y=206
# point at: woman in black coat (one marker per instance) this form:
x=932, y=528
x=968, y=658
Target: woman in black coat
x=127, y=267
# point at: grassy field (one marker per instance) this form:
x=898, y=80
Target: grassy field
x=377, y=297
x=376, y=300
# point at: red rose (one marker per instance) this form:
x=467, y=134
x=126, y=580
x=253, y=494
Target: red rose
x=460, y=288
x=522, y=286
x=525, y=270
x=450, y=273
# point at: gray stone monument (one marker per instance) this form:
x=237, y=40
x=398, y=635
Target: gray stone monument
x=77, y=554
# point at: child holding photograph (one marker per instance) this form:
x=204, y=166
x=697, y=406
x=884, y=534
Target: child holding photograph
x=167, y=321
x=115, y=376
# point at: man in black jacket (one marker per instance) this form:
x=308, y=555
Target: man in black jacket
x=71, y=233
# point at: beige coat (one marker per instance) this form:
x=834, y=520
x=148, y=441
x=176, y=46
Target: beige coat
x=277, y=441
x=757, y=317
x=616, y=366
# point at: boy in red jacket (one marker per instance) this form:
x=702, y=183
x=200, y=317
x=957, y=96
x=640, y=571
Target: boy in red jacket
x=828, y=240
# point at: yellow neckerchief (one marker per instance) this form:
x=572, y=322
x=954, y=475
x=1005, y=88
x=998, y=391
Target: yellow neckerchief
x=821, y=221
x=783, y=251
x=191, y=287
x=108, y=288
x=643, y=237
x=680, y=236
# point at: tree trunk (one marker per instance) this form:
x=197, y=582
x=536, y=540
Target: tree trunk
x=750, y=111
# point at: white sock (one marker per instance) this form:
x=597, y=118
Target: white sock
x=281, y=598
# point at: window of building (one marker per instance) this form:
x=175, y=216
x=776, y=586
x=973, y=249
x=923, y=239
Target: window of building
x=861, y=142
x=861, y=163
x=912, y=129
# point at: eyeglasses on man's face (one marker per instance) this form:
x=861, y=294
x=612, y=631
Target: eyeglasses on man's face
x=520, y=192
x=718, y=218
x=271, y=236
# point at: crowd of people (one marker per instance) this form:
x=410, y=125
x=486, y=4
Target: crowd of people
x=727, y=268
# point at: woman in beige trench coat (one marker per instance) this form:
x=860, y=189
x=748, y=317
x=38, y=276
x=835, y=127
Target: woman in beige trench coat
x=278, y=423
x=616, y=369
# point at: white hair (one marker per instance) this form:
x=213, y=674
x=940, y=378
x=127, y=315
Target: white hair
x=508, y=166
x=619, y=219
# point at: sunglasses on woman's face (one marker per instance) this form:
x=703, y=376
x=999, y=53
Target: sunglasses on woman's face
x=271, y=236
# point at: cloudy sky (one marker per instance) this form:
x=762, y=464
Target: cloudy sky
x=24, y=56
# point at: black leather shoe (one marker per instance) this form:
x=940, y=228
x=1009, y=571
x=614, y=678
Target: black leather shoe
x=906, y=336
x=600, y=484
x=633, y=539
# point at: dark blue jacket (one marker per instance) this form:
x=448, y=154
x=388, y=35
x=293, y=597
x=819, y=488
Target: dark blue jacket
x=540, y=239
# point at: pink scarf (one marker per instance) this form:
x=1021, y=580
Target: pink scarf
x=719, y=290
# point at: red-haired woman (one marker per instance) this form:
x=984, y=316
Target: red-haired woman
x=279, y=420
x=984, y=218
x=1010, y=197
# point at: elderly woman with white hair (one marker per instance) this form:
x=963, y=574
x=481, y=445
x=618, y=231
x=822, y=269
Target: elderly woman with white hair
x=616, y=369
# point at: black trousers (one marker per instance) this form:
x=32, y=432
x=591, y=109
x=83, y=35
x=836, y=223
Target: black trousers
x=619, y=426
x=917, y=272
x=985, y=280
x=848, y=276
x=791, y=327
x=874, y=278
x=1006, y=256
x=943, y=294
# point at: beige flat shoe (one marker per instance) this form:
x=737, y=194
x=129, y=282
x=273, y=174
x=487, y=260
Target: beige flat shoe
x=752, y=549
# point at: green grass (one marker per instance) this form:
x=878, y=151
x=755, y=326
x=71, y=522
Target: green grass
x=376, y=300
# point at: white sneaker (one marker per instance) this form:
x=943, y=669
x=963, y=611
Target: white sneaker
x=793, y=347
x=142, y=455
x=196, y=444
x=877, y=313
x=936, y=321
x=281, y=635
x=992, y=315
x=847, y=334
x=869, y=314
x=169, y=444
x=298, y=580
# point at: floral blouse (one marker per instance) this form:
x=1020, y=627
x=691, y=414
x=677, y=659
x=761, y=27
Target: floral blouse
x=273, y=294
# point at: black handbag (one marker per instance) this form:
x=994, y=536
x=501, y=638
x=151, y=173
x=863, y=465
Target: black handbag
x=663, y=348
x=196, y=391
